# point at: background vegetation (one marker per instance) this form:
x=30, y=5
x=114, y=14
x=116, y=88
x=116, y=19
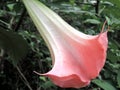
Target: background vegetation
x=22, y=50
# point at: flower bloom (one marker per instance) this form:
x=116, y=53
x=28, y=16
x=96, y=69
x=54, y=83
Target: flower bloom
x=77, y=58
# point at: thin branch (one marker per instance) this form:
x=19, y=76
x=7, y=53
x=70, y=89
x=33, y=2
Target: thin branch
x=20, y=20
x=2, y=26
x=1, y=60
x=1, y=54
x=24, y=78
x=4, y=23
x=97, y=7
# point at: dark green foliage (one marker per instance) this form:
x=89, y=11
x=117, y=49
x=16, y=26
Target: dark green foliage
x=13, y=44
x=19, y=35
x=106, y=85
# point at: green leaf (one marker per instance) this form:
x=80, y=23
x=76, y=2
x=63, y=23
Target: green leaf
x=13, y=44
x=42, y=78
x=10, y=6
x=112, y=57
x=116, y=2
x=104, y=84
x=108, y=20
x=92, y=21
x=118, y=78
x=112, y=9
x=48, y=85
x=72, y=2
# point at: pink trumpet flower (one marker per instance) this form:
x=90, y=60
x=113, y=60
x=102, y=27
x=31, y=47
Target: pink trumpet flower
x=77, y=58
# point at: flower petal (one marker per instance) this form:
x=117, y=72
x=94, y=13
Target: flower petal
x=77, y=63
x=77, y=57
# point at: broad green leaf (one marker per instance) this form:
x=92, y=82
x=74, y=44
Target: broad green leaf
x=107, y=3
x=10, y=6
x=13, y=44
x=72, y=2
x=104, y=84
x=116, y=2
x=114, y=9
x=92, y=21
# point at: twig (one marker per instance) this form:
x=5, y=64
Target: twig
x=1, y=54
x=4, y=23
x=2, y=26
x=20, y=20
x=24, y=78
x=97, y=7
x=1, y=60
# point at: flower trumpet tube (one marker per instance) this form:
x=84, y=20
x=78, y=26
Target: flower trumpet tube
x=77, y=58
